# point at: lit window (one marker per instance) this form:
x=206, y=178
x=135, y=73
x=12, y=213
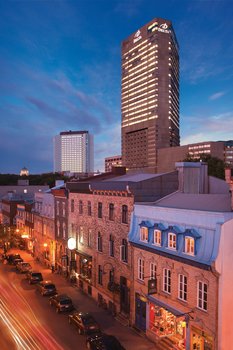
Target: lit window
x=144, y=234
x=152, y=271
x=189, y=245
x=171, y=240
x=157, y=237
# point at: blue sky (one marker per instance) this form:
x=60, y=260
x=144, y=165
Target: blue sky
x=60, y=70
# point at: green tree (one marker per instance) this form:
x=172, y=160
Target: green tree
x=216, y=166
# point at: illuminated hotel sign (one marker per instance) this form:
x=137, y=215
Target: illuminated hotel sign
x=162, y=28
x=137, y=36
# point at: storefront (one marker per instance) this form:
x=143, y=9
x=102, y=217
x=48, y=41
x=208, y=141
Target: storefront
x=200, y=340
x=165, y=321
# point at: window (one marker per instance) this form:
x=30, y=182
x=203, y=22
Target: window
x=89, y=208
x=189, y=245
x=57, y=208
x=81, y=235
x=182, y=287
x=202, y=295
x=144, y=234
x=100, y=275
x=141, y=269
x=152, y=271
x=64, y=230
x=89, y=237
x=171, y=240
x=100, y=210
x=58, y=228
x=99, y=243
x=157, y=237
x=63, y=209
x=72, y=206
x=111, y=276
x=111, y=211
x=124, y=214
x=124, y=251
x=167, y=280
x=111, y=245
x=80, y=207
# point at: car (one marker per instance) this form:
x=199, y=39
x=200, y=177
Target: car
x=46, y=288
x=85, y=322
x=62, y=302
x=34, y=277
x=10, y=258
x=102, y=341
x=23, y=267
x=17, y=261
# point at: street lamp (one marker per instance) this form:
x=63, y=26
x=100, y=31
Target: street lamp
x=72, y=246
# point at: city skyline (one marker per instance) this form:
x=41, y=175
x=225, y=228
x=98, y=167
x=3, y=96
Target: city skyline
x=63, y=73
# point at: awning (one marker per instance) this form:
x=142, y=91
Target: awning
x=84, y=255
x=157, y=302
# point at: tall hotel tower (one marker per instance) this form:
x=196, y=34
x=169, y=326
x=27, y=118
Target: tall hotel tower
x=73, y=152
x=150, y=94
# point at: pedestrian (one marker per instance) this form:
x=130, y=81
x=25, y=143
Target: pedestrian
x=53, y=268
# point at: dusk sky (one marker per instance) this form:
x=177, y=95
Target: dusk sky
x=60, y=69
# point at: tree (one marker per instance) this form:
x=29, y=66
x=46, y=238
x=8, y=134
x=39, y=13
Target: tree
x=216, y=166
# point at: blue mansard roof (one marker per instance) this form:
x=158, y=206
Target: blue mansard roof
x=203, y=227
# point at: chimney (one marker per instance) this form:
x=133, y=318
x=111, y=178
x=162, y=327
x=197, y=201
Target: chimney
x=193, y=177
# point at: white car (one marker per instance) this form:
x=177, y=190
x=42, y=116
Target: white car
x=23, y=267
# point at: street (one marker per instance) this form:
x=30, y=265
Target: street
x=33, y=324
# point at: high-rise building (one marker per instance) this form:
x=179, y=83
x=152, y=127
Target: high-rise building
x=73, y=152
x=149, y=94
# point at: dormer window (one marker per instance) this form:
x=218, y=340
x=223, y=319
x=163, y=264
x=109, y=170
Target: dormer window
x=189, y=245
x=144, y=234
x=171, y=240
x=157, y=237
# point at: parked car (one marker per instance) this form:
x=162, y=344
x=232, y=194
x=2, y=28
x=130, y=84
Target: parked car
x=85, y=322
x=46, y=288
x=23, y=267
x=11, y=257
x=17, y=261
x=102, y=341
x=34, y=277
x=61, y=302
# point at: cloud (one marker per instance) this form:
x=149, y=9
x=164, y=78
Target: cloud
x=217, y=95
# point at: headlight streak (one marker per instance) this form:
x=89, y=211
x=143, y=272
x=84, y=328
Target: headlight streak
x=24, y=326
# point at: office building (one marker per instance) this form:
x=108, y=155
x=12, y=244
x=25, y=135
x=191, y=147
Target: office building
x=112, y=161
x=150, y=94
x=73, y=152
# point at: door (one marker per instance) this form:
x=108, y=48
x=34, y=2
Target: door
x=124, y=295
x=140, y=313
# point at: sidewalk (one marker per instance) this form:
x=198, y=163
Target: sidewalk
x=129, y=338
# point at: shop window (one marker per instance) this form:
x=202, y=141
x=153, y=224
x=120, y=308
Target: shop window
x=89, y=208
x=171, y=240
x=182, y=287
x=189, y=245
x=144, y=234
x=100, y=242
x=167, y=280
x=100, y=207
x=124, y=214
x=111, y=211
x=202, y=295
x=157, y=237
x=141, y=269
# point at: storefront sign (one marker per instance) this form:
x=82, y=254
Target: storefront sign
x=152, y=286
